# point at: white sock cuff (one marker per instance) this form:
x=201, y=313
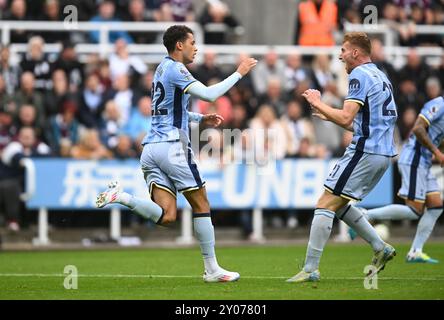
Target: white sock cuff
x=324, y=212
x=435, y=212
x=127, y=200
x=343, y=211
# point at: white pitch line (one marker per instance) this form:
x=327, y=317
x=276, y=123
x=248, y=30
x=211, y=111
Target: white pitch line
x=56, y=275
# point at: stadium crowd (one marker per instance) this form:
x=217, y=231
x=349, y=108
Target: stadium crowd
x=58, y=106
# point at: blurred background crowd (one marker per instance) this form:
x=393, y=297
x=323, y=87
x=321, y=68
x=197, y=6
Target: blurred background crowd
x=100, y=108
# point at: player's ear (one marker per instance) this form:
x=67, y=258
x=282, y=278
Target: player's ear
x=179, y=45
x=355, y=53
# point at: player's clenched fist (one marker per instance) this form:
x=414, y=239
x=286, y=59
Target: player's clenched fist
x=246, y=65
x=312, y=96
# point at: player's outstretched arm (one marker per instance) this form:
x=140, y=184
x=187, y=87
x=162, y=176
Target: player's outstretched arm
x=201, y=91
x=420, y=131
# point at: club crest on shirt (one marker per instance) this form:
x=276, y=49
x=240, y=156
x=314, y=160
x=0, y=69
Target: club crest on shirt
x=432, y=111
x=354, y=85
x=186, y=73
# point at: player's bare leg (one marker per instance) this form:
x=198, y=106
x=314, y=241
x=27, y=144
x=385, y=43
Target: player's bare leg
x=167, y=202
x=204, y=231
x=416, y=205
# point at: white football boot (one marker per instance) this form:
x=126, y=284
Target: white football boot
x=111, y=195
x=221, y=275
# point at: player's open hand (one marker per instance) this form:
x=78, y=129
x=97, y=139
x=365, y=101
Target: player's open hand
x=312, y=96
x=246, y=65
x=212, y=120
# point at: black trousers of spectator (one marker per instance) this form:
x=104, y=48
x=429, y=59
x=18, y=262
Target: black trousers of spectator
x=10, y=190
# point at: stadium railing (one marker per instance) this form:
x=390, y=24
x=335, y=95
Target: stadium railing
x=389, y=34
x=104, y=28
x=228, y=54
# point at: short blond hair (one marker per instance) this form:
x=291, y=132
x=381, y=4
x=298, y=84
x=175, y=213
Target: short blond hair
x=359, y=39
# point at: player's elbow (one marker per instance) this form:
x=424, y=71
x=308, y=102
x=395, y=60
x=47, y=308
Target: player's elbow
x=211, y=99
x=202, y=92
x=417, y=130
x=208, y=97
x=212, y=94
x=347, y=121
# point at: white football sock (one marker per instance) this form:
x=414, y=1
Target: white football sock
x=392, y=212
x=319, y=233
x=354, y=218
x=425, y=228
x=204, y=230
x=144, y=207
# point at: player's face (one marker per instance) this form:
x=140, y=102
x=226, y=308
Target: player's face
x=348, y=56
x=189, y=49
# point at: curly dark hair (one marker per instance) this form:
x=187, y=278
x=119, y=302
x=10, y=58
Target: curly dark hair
x=173, y=35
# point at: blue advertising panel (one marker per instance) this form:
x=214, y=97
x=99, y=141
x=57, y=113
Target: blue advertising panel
x=74, y=184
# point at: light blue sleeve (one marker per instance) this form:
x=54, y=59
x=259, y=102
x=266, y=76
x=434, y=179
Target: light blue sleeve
x=180, y=76
x=195, y=117
x=433, y=110
x=213, y=92
x=357, y=86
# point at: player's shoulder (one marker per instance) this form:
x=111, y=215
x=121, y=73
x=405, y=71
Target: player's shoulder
x=366, y=71
x=433, y=107
x=177, y=68
x=357, y=80
x=358, y=77
x=434, y=103
x=437, y=101
x=358, y=71
x=163, y=67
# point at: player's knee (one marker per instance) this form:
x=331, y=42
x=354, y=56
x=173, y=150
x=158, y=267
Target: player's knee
x=169, y=216
x=330, y=202
x=434, y=202
x=166, y=220
x=417, y=207
x=419, y=211
x=320, y=203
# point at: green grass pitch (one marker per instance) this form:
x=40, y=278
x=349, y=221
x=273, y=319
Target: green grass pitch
x=171, y=274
